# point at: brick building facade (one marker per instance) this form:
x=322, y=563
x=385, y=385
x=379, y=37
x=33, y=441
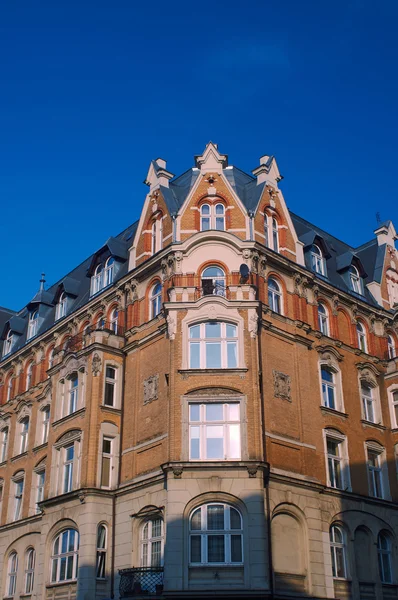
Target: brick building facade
x=208, y=405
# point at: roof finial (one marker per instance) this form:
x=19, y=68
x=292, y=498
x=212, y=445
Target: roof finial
x=42, y=281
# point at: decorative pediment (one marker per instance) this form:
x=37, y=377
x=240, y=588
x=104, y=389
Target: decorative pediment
x=41, y=465
x=68, y=436
x=23, y=410
x=72, y=364
x=158, y=175
x=368, y=373
x=327, y=353
x=4, y=420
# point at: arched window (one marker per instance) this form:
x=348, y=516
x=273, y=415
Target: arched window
x=32, y=325
x=368, y=402
x=156, y=300
x=338, y=474
x=102, y=540
x=29, y=373
x=384, y=557
x=213, y=281
x=8, y=343
x=275, y=238
x=109, y=271
x=338, y=552
x=328, y=387
x=29, y=570
x=101, y=323
x=394, y=399
x=12, y=574
x=213, y=345
x=61, y=306
x=152, y=543
x=65, y=556
x=323, y=319
x=355, y=280
x=212, y=217
x=317, y=260
x=97, y=279
x=274, y=296
x=153, y=238
x=113, y=323
x=361, y=337
x=271, y=233
x=216, y=535
x=391, y=347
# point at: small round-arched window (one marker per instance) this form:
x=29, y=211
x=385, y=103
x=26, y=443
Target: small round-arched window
x=64, y=560
x=213, y=281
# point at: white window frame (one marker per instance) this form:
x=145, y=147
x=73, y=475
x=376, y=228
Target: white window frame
x=97, y=280
x=102, y=543
x=32, y=324
x=109, y=457
x=30, y=559
x=18, y=495
x=60, y=310
x=71, y=396
x=323, y=319
x=227, y=424
x=341, y=458
x=271, y=232
x=5, y=438
x=215, y=217
x=362, y=337
x=392, y=392
x=24, y=425
x=275, y=296
x=391, y=347
x=12, y=574
x=368, y=402
x=29, y=373
x=111, y=383
x=113, y=321
x=355, y=280
x=227, y=532
x=68, y=464
x=326, y=385
x=45, y=424
x=148, y=539
x=223, y=341
x=382, y=469
x=334, y=549
x=155, y=300
x=109, y=272
x=8, y=343
x=157, y=235
x=318, y=264
x=59, y=455
x=381, y=552
x=214, y=283
x=40, y=483
x=375, y=474
x=57, y=558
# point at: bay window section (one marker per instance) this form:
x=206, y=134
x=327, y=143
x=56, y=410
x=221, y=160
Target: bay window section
x=67, y=461
x=216, y=535
x=213, y=345
x=214, y=431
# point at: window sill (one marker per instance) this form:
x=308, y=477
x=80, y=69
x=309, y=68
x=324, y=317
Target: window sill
x=113, y=409
x=333, y=411
x=211, y=566
x=40, y=447
x=237, y=370
x=371, y=424
x=3, y=464
x=56, y=584
x=18, y=456
x=67, y=418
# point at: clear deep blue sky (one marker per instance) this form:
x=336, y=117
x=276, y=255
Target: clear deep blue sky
x=91, y=91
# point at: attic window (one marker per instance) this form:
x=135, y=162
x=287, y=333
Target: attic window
x=33, y=322
x=271, y=232
x=355, y=280
x=8, y=343
x=103, y=276
x=317, y=260
x=61, y=306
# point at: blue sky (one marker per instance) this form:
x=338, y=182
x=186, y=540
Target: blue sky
x=90, y=92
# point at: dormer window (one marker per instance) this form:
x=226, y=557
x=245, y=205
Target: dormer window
x=96, y=280
x=212, y=217
x=32, y=326
x=355, y=280
x=317, y=260
x=8, y=343
x=61, y=306
x=271, y=232
x=109, y=271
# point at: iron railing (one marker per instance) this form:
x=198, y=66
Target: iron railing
x=143, y=581
x=79, y=341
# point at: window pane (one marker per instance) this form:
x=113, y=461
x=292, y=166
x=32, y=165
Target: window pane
x=220, y=223
x=212, y=330
x=234, y=518
x=106, y=471
x=54, y=571
x=62, y=573
x=236, y=548
x=234, y=412
x=331, y=397
x=109, y=393
x=232, y=355
x=327, y=375
x=69, y=569
x=64, y=542
x=194, y=412
x=110, y=372
x=106, y=446
x=101, y=535
x=332, y=448
x=195, y=356
x=205, y=209
x=234, y=441
x=196, y=549
x=231, y=331
x=194, y=332
x=213, y=355
x=215, y=517
x=156, y=554
x=340, y=566
x=205, y=224
x=214, y=441
x=214, y=412
x=195, y=442
x=196, y=520
x=215, y=549
x=72, y=535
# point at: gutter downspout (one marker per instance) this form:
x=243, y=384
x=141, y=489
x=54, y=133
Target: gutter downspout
x=120, y=460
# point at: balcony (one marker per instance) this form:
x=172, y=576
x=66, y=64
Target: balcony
x=141, y=582
x=82, y=339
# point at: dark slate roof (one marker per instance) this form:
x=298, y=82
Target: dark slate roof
x=341, y=257
x=178, y=190
x=76, y=284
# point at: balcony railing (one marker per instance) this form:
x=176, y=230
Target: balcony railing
x=80, y=340
x=143, y=581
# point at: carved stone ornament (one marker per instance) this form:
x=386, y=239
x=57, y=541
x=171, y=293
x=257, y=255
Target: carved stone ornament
x=24, y=412
x=354, y=311
x=178, y=261
x=304, y=287
x=315, y=290
x=297, y=282
x=96, y=365
x=255, y=261
x=253, y=325
x=151, y=386
x=372, y=320
x=263, y=265
x=335, y=305
x=282, y=386
x=177, y=472
x=82, y=497
x=246, y=253
x=171, y=264
x=163, y=266
x=252, y=471
x=171, y=326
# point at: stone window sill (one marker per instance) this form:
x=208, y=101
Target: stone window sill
x=237, y=370
x=18, y=456
x=40, y=447
x=371, y=424
x=333, y=411
x=67, y=418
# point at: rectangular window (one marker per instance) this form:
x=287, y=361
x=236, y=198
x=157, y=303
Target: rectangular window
x=24, y=435
x=18, y=495
x=213, y=345
x=214, y=431
x=334, y=463
x=45, y=425
x=4, y=444
x=106, y=464
x=367, y=403
x=69, y=454
x=40, y=489
x=73, y=394
x=110, y=386
x=375, y=474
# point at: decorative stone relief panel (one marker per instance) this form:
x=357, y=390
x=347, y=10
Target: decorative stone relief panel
x=151, y=386
x=282, y=385
x=96, y=365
